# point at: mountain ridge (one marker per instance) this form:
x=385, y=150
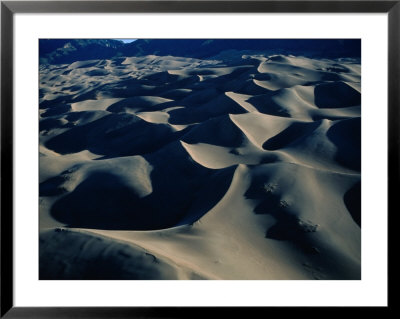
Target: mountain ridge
x=63, y=51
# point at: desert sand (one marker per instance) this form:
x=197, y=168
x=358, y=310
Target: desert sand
x=237, y=166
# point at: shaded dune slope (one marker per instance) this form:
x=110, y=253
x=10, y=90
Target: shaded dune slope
x=139, y=196
x=114, y=260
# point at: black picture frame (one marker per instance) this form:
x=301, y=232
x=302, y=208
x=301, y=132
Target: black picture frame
x=9, y=8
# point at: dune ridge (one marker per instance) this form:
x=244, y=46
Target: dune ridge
x=230, y=167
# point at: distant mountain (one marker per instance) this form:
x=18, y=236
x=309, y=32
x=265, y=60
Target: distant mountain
x=69, y=50
x=59, y=51
x=202, y=48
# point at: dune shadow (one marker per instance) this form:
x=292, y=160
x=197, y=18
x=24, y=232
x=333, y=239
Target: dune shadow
x=101, y=201
x=124, y=88
x=288, y=226
x=160, y=78
x=67, y=255
x=52, y=186
x=140, y=104
x=346, y=135
x=336, y=95
x=352, y=200
x=219, y=131
x=61, y=100
x=57, y=110
x=265, y=104
x=182, y=192
x=289, y=135
x=113, y=135
x=51, y=123
x=196, y=113
x=97, y=72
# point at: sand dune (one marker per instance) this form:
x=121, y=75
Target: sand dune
x=93, y=105
x=164, y=167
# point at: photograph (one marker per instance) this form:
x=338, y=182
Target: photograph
x=199, y=159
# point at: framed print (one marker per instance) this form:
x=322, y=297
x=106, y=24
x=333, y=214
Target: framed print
x=161, y=158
